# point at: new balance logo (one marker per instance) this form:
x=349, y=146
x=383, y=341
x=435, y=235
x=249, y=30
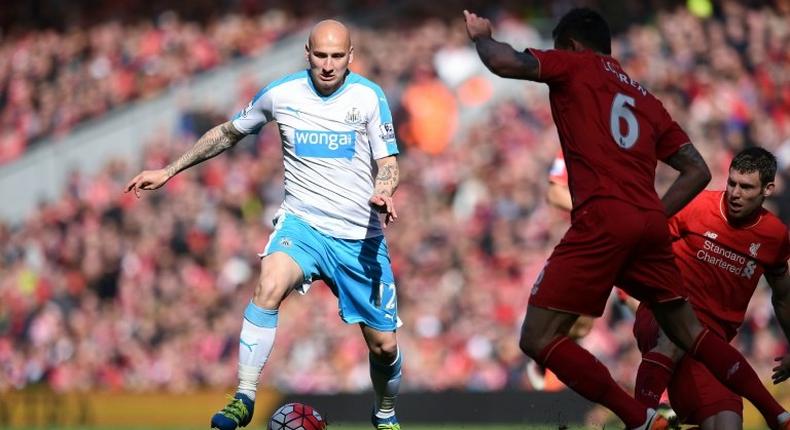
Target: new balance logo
x=711, y=235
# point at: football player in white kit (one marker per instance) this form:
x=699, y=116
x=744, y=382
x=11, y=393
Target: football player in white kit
x=340, y=173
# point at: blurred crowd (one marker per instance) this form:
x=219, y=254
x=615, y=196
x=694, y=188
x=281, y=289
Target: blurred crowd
x=103, y=290
x=52, y=80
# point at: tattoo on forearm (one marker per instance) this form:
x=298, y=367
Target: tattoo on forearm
x=387, y=178
x=214, y=142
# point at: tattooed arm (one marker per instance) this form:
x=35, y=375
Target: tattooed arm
x=388, y=176
x=694, y=176
x=214, y=142
x=386, y=182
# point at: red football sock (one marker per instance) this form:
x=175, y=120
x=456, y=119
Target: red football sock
x=729, y=367
x=652, y=378
x=583, y=373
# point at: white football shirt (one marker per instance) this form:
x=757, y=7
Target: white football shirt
x=330, y=144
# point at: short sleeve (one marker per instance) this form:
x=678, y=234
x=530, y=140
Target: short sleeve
x=678, y=223
x=556, y=66
x=671, y=136
x=257, y=113
x=381, y=131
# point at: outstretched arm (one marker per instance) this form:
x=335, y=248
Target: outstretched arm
x=500, y=58
x=387, y=181
x=212, y=143
x=694, y=176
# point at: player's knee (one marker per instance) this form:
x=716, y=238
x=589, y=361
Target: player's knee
x=267, y=294
x=384, y=350
x=531, y=344
x=678, y=321
x=668, y=349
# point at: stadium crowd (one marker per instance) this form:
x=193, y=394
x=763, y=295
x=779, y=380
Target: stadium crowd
x=101, y=290
x=50, y=80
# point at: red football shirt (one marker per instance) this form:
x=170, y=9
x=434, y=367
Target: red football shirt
x=721, y=265
x=612, y=130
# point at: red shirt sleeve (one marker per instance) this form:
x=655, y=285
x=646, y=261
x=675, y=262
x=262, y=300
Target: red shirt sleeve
x=672, y=137
x=556, y=66
x=678, y=222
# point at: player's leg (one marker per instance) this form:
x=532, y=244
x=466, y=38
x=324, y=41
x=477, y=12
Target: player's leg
x=385, y=373
x=654, y=278
x=700, y=399
x=577, y=280
x=726, y=420
x=280, y=274
x=659, y=356
x=536, y=374
x=361, y=275
x=544, y=337
x=679, y=322
x=286, y=263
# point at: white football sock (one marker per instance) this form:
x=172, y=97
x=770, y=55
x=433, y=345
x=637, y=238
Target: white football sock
x=255, y=345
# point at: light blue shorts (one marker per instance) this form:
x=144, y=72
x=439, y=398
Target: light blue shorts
x=359, y=272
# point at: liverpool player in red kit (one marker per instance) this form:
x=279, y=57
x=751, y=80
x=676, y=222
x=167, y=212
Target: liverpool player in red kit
x=612, y=132
x=724, y=242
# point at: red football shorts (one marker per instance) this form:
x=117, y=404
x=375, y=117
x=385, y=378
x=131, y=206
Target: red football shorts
x=694, y=393
x=610, y=242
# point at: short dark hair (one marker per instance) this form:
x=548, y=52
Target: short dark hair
x=756, y=159
x=586, y=26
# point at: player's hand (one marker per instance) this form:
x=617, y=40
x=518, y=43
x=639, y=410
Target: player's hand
x=147, y=180
x=384, y=205
x=782, y=371
x=476, y=26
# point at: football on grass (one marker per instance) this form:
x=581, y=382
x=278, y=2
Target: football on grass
x=296, y=416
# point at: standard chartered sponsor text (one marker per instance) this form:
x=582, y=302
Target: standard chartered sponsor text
x=724, y=258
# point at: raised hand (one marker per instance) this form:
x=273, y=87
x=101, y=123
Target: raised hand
x=476, y=26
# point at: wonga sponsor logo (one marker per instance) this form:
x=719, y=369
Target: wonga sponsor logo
x=324, y=144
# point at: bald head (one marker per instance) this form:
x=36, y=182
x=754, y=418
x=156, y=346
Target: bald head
x=329, y=32
x=329, y=53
